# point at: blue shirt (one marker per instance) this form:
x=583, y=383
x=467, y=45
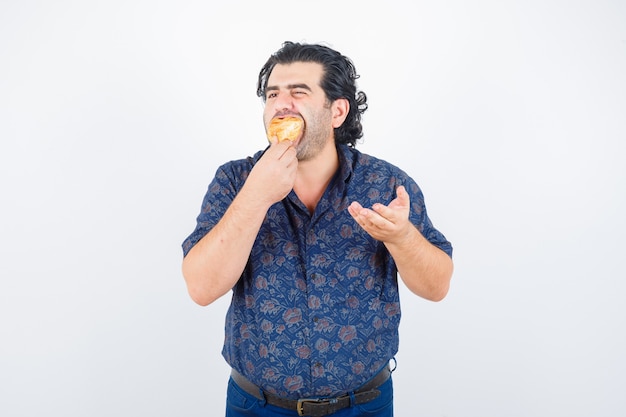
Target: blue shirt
x=316, y=310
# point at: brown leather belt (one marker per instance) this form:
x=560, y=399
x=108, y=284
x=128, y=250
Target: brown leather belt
x=316, y=407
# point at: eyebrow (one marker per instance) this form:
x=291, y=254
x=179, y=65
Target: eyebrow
x=289, y=87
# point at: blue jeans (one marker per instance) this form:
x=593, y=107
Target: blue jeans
x=241, y=404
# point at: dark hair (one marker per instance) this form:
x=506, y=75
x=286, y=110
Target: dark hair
x=338, y=81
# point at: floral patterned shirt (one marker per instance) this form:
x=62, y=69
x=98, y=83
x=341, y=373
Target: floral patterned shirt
x=316, y=310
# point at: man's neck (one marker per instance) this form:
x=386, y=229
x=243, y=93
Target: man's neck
x=314, y=176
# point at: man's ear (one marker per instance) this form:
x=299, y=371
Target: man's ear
x=340, y=108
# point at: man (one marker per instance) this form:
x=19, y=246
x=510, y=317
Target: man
x=310, y=236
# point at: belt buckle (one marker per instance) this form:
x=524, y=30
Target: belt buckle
x=302, y=401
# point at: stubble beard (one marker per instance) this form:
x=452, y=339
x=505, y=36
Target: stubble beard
x=315, y=136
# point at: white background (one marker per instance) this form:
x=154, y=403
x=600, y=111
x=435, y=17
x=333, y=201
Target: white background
x=115, y=114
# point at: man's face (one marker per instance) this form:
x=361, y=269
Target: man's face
x=294, y=89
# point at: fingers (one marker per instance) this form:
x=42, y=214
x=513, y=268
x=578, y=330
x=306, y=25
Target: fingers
x=368, y=218
x=282, y=149
x=274, y=174
x=397, y=208
x=357, y=212
x=403, y=196
x=383, y=222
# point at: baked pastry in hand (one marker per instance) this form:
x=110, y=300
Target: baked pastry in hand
x=285, y=128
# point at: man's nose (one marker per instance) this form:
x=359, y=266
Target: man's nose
x=283, y=101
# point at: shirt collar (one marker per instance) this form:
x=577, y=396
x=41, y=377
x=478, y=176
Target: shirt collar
x=346, y=159
x=345, y=154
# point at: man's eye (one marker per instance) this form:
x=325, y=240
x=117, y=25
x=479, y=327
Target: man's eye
x=270, y=95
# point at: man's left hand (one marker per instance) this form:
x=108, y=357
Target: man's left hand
x=389, y=224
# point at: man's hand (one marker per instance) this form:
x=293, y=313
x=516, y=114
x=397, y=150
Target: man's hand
x=207, y=275
x=425, y=269
x=274, y=175
x=389, y=224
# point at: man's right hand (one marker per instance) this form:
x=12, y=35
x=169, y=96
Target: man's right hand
x=206, y=273
x=274, y=175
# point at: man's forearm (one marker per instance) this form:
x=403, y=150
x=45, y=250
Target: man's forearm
x=424, y=268
x=214, y=265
